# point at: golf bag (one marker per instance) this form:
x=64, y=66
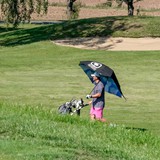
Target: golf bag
x=67, y=108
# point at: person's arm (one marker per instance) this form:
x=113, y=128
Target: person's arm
x=97, y=95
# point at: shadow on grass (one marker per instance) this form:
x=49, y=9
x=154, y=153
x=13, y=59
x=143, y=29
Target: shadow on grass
x=80, y=28
x=5, y=29
x=137, y=129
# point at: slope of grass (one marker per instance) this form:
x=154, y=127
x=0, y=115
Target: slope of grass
x=107, y=26
x=29, y=132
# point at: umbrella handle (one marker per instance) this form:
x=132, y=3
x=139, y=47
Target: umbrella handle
x=94, y=87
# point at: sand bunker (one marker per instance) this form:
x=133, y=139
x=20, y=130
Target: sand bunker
x=114, y=44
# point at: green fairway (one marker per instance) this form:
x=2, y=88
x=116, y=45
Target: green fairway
x=36, y=78
x=43, y=73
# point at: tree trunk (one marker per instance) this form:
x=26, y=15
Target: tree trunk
x=70, y=5
x=130, y=8
x=70, y=8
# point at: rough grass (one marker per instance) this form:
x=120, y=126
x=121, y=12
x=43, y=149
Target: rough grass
x=29, y=132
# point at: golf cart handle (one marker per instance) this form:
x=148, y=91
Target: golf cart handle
x=86, y=105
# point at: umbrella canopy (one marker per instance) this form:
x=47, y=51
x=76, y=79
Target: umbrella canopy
x=107, y=76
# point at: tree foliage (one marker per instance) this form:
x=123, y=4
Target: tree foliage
x=16, y=11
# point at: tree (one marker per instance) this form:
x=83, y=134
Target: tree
x=130, y=7
x=16, y=11
x=70, y=5
x=128, y=2
x=72, y=9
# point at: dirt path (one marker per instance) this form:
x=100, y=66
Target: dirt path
x=114, y=44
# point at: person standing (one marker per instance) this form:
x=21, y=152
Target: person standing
x=98, y=99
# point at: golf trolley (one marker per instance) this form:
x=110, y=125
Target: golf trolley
x=67, y=108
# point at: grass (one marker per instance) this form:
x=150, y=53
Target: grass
x=106, y=26
x=36, y=133
x=36, y=78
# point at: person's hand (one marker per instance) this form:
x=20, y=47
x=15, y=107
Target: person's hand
x=88, y=96
x=90, y=102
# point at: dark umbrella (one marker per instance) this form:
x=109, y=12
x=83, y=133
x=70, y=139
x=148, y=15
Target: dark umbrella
x=107, y=76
